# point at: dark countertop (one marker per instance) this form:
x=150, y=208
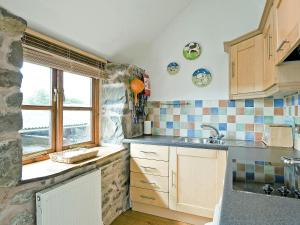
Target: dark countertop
x=245, y=208
x=177, y=141
x=239, y=207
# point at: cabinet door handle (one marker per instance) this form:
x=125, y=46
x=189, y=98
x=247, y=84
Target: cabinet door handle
x=151, y=183
x=270, y=44
x=173, y=178
x=232, y=69
x=154, y=153
x=147, y=197
x=148, y=168
x=285, y=41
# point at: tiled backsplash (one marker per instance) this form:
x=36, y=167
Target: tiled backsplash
x=236, y=119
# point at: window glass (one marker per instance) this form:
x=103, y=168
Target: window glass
x=77, y=90
x=36, y=132
x=36, y=84
x=76, y=127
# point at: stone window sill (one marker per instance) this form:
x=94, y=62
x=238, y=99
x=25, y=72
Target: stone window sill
x=47, y=169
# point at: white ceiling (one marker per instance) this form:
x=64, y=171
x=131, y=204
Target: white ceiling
x=113, y=29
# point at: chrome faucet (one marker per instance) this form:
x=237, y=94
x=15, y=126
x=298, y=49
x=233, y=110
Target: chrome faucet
x=217, y=136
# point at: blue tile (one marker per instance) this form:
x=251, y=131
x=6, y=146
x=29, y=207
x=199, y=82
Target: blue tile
x=279, y=179
x=298, y=99
x=191, y=118
x=249, y=176
x=249, y=136
x=278, y=103
x=293, y=100
x=191, y=133
x=163, y=111
x=176, y=104
x=249, y=103
x=169, y=125
x=198, y=103
x=214, y=111
x=259, y=119
x=231, y=103
x=222, y=126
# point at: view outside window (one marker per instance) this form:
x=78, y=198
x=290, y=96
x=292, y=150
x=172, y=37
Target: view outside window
x=36, y=89
x=77, y=114
x=77, y=127
x=74, y=93
x=77, y=90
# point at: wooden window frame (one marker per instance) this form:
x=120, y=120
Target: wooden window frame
x=56, y=108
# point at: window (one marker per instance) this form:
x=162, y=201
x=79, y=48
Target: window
x=60, y=110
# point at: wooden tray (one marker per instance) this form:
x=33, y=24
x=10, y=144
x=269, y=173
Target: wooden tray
x=73, y=155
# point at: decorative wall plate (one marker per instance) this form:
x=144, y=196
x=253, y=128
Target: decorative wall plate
x=192, y=51
x=173, y=68
x=201, y=77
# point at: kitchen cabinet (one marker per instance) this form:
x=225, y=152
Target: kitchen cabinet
x=287, y=27
x=177, y=183
x=196, y=180
x=247, y=66
x=269, y=52
x=255, y=62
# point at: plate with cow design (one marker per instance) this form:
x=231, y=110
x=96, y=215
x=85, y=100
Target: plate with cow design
x=192, y=50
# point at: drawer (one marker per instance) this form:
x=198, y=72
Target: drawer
x=148, y=166
x=149, y=197
x=148, y=181
x=156, y=152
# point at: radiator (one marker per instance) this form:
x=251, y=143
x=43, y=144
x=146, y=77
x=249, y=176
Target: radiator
x=74, y=202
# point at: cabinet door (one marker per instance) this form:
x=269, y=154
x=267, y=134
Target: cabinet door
x=196, y=179
x=247, y=63
x=287, y=27
x=269, y=52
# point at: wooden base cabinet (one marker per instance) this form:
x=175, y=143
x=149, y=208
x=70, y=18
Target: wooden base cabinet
x=196, y=180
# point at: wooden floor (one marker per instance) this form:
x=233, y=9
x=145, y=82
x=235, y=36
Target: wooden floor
x=137, y=218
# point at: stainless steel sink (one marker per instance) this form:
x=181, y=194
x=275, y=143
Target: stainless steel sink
x=201, y=141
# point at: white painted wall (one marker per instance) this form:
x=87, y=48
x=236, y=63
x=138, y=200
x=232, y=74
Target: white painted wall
x=209, y=22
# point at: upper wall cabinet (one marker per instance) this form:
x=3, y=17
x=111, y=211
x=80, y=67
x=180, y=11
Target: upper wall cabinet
x=287, y=18
x=247, y=66
x=255, y=62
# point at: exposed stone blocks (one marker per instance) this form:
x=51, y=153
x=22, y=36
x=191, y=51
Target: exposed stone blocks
x=116, y=114
x=11, y=60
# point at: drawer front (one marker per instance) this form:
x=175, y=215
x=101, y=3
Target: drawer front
x=159, y=168
x=148, y=181
x=156, y=152
x=149, y=197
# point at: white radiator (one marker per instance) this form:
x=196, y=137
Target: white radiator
x=74, y=202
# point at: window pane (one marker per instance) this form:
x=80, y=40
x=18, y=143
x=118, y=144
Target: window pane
x=77, y=127
x=77, y=90
x=36, y=132
x=36, y=84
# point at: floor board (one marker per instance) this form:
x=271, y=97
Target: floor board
x=136, y=218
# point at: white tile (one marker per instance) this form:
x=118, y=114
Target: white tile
x=231, y=111
x=231, y=127
x=268, y=111
x=183, y=132
x=183, y=118
x=259, y=103
x=240, y=135
x=214, y=119
x=206, y=118
x=198, y=111
x=176, y=111
x=210, y=103
x=162, y=124
x=278, y=119
x=244, y=119
x=222, y=119
x=169, y=117
x=169, y=132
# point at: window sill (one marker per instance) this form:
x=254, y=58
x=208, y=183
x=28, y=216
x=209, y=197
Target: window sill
x=47, y=169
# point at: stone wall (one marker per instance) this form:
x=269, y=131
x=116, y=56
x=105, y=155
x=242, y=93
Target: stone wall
x=116, y=118
x=11, y=59
x=18, y=203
